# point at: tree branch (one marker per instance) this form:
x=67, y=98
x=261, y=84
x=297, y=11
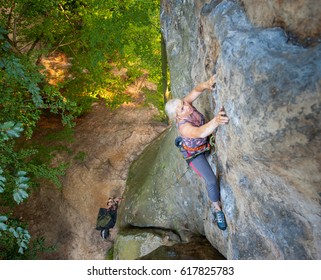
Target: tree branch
x=64, y=13
x=34, y=44
x=10, y=14
x=61, y=45
x=13, y=47
x=14, y=34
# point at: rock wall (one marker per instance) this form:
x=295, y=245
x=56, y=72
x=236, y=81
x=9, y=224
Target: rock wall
x=268, y=157
x=300, y=17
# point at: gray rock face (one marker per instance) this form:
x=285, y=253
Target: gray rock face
x=268, y=158
x=301, y=17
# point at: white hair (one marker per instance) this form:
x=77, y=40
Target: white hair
x=171, y=107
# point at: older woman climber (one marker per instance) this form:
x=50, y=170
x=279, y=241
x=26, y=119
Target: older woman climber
x=194, y=133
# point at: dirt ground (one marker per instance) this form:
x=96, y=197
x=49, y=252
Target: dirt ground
x=108, y=142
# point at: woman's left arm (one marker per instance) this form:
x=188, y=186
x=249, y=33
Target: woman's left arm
x=190, y=131
x=196, y=91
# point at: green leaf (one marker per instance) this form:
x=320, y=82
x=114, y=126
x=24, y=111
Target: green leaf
x=3, y=218
x=6, y=46
x=18, y=127
x=24, y=245
x=23, y=186
x=3, y=226
x=19, y=230
x=21, y=173
x=13, y=133
x=7, y=125
x=11, y=129
x=14, y=232
x=4, y=137
x=3, y=31
x=36, y=97
x=2, y=181
x=23, y=194
x=21, y=180
x=17, y=198
x=20, y=193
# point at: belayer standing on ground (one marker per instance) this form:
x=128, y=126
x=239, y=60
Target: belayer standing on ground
x=194, y=133
x=106, y=219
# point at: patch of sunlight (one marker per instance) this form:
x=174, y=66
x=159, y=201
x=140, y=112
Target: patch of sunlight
x=104, y=93
x=129, y=105
x=56, y=67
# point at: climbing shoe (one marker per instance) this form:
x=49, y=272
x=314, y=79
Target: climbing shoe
x=220, y=220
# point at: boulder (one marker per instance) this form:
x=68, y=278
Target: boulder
x=268, y=157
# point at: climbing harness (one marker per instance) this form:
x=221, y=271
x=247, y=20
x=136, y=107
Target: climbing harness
x=209, y=146
x=201, y=149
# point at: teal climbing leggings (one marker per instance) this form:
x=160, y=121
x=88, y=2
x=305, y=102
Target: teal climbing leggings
x=201, y=166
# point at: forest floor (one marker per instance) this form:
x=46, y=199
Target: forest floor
x=99, y=153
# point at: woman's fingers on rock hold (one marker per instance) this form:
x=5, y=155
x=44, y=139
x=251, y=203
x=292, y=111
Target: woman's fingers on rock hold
x=211, y=81
x=222, y=118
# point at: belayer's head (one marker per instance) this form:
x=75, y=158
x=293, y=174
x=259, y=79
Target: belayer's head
x=177, y=109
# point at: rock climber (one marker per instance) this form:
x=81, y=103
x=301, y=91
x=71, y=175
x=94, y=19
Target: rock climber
x=194, y=131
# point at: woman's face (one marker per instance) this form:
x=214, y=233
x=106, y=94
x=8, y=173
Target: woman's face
x=184, y=109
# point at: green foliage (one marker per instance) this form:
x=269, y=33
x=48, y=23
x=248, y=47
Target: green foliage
x=13, y=239
x=110, y=254
x=80, y=156
x=22, y=236
x=11, y=130
x=14, y=186
x=38, y=246
x=121, y=34
x=98, y=36
x=24, y=93
x=3, y=180
x=15, y=242
x=62, y=135
x=9, y=248
x=19, y=193
x=3, y=226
